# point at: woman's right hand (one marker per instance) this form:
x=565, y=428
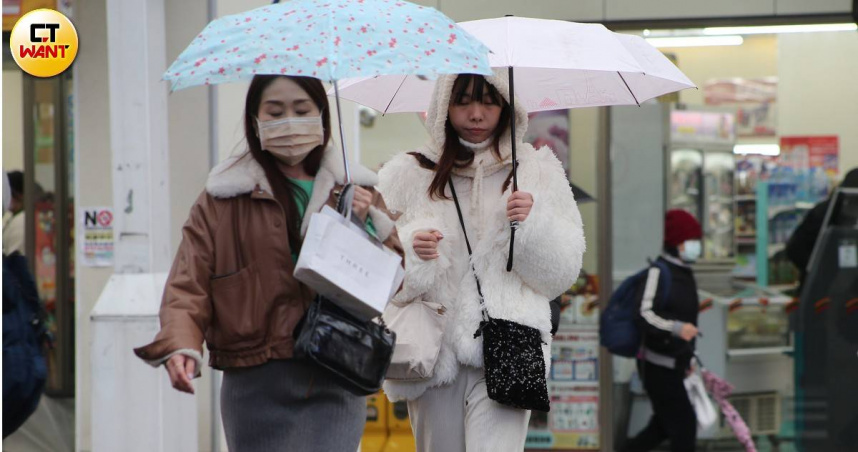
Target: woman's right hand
x=426, y=244
x=181, y=369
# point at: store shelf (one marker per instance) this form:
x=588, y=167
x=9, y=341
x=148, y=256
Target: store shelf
x=775, y=211
x=783, y=287
x=745, y=198
x=762, y=351
x=720, y=200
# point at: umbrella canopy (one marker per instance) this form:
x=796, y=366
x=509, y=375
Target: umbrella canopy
x=558, y=65
x=328, y=40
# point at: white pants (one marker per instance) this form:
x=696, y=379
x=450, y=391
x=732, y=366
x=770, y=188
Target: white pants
x=460, y=417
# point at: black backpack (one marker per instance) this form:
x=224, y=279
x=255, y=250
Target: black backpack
x=24, y=367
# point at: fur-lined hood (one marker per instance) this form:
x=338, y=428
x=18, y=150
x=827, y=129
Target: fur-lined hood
x=436, y=116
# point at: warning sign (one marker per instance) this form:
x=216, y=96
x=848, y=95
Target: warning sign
x=97, y=241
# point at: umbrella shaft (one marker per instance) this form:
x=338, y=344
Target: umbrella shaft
x=512, y=130
x=342, y=135
x=513, y=224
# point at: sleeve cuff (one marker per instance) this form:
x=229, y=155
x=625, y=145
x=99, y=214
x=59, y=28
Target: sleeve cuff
x=382, y=224
x=190, y=353
x=677, y=328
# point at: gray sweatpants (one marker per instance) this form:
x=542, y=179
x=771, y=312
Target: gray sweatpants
x=289, y=405
x=460, y=417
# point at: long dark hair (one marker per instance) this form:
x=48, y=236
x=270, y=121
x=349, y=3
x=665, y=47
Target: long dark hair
x=455, y=155
x=283, y=189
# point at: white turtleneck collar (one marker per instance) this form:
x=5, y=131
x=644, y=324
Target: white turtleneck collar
x=476, y=146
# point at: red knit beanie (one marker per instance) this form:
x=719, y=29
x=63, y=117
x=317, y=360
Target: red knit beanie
x=680, y=226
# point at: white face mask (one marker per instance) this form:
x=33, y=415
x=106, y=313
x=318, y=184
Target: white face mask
x=290, y=139
x=691, y=251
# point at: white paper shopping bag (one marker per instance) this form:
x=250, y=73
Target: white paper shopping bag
x=703, y=407
x=341, y=262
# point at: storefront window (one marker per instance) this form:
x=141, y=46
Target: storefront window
x=50, y=246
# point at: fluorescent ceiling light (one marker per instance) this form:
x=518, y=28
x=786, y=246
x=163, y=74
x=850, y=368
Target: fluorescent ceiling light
x=696, y=41
x=761, y=149
x=721, y=31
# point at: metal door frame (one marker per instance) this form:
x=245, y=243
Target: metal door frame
x=65, y=312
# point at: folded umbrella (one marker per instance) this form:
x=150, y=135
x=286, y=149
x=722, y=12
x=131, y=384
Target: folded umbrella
x=720, y=389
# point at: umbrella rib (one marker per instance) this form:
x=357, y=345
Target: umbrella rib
x=394, y=95
x=627, y=87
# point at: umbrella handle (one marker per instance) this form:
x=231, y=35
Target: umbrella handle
x=512, y=224
x=345, y=201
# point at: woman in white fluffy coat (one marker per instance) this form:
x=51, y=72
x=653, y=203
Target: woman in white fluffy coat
x=470, y=142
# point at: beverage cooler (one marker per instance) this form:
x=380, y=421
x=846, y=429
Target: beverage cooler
x=700, y=175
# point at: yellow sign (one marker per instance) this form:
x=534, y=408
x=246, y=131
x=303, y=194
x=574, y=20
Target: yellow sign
x=44, y=43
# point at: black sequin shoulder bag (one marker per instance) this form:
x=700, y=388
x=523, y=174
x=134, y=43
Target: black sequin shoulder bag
x=512, y=353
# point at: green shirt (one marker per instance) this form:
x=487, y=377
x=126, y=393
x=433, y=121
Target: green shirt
x=307, y=187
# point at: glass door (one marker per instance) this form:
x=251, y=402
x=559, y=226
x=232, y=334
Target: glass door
x=718, y=223
x=49, y=206
x=686, y=170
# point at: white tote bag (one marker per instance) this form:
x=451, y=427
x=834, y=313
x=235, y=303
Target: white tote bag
x=342, y=263
x=703, y=406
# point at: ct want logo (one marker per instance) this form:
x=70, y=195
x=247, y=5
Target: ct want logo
x=44, y=43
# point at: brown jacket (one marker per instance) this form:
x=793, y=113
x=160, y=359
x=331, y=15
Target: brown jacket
x=231, y=283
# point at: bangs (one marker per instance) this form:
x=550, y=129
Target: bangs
x=480, y=88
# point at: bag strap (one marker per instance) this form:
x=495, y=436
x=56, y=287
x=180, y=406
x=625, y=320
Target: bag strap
x=664, y=277
x=486, y=317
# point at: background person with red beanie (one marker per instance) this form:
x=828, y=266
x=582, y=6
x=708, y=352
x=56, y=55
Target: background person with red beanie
x=668, y=322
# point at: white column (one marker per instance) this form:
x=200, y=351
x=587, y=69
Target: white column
x=133, y=406
x=138, y=135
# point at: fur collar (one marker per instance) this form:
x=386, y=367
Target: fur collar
x=240, y=174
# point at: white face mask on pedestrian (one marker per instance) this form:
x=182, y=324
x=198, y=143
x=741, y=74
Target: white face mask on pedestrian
x=691, y=251
x=290, y=139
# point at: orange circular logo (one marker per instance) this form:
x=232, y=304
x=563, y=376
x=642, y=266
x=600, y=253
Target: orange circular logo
x=44, y=43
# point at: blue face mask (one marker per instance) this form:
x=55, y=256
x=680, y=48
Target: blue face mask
x=691, y=251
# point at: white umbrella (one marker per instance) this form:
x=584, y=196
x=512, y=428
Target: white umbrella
x=556, y=65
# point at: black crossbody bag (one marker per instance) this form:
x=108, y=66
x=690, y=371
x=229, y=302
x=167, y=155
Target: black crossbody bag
x=512, y=353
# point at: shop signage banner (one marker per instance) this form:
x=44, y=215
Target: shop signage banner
x=814, y=161
x=97, y=237
x=701, y=127
x=755, y=101
x=573, y=422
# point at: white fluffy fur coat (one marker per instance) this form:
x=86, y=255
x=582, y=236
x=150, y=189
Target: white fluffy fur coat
x=549, y=245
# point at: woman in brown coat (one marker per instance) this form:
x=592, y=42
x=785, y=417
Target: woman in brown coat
x=231, y=284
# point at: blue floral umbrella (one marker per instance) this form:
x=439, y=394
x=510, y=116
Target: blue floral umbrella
x=329, y=40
